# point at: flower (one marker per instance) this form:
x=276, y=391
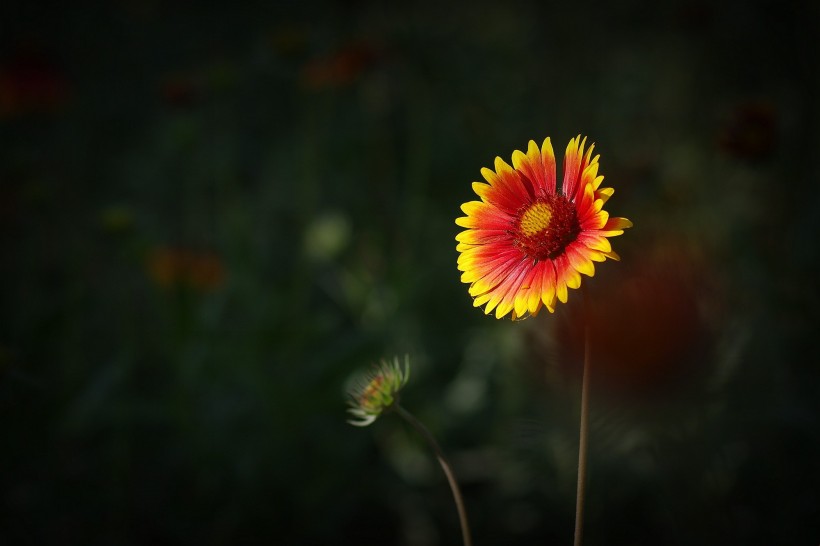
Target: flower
x=527, y=241
x=378, y=391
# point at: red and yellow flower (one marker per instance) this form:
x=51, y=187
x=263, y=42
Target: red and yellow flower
x=528, y=241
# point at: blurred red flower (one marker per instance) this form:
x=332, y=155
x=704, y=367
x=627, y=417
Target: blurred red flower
x=31, y=82
x=340, y=68
x=650, y=333
x=750, y=131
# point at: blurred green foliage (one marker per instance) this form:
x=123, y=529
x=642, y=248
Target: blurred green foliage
x=213, y=217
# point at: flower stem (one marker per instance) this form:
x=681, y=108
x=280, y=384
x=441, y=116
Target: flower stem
x=445, y=466
x=583, y=430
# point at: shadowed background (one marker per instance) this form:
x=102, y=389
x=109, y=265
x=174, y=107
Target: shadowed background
x=212, y=218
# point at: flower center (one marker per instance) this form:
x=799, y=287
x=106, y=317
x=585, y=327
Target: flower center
x=546, y=227
x=535, y=219
x=372, y=394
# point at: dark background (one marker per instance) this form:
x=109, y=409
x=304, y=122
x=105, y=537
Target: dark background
x=212, y=218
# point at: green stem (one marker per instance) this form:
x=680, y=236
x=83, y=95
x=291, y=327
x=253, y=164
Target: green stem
x=445, y=466
x=584, y=430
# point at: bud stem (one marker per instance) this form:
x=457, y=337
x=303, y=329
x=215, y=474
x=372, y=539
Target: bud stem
x=445, y=466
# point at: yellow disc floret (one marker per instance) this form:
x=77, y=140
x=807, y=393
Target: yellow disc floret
x=536, y=218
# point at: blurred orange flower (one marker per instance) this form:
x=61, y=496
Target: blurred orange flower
x=170, y=266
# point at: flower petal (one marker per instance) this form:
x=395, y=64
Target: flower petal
x=616, y=223
x=482, y=236
x=565, y=276
x=485, y=216
x=537, y=167
x=604, y=193
x=579, y=260
x=594, y=241
x=532, y=283
x=548, y=163
x=573, y=159
x=507, y=181
x=513, y=287
x=548, y=285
